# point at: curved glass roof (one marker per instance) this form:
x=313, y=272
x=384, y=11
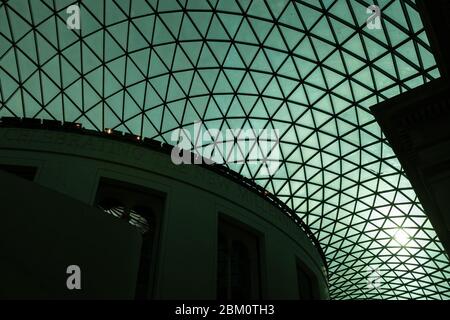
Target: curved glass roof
x=308, y=68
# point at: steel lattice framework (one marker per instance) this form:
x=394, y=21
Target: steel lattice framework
x=309, y=68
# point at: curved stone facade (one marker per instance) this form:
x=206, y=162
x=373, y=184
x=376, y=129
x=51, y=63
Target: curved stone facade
x=195, y=199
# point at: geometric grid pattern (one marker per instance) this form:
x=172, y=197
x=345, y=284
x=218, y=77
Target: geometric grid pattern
x=308, y=68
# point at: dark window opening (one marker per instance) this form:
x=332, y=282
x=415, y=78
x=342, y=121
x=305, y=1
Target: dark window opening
x=25, y=172
x=306, y=281
x=238, y=267
x=141, y=208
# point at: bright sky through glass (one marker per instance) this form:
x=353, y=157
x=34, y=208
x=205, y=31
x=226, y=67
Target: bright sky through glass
x=310, y=69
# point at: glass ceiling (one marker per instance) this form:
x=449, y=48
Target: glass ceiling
x=308, y=68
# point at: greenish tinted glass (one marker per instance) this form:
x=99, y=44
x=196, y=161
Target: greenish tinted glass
x=310, y=69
